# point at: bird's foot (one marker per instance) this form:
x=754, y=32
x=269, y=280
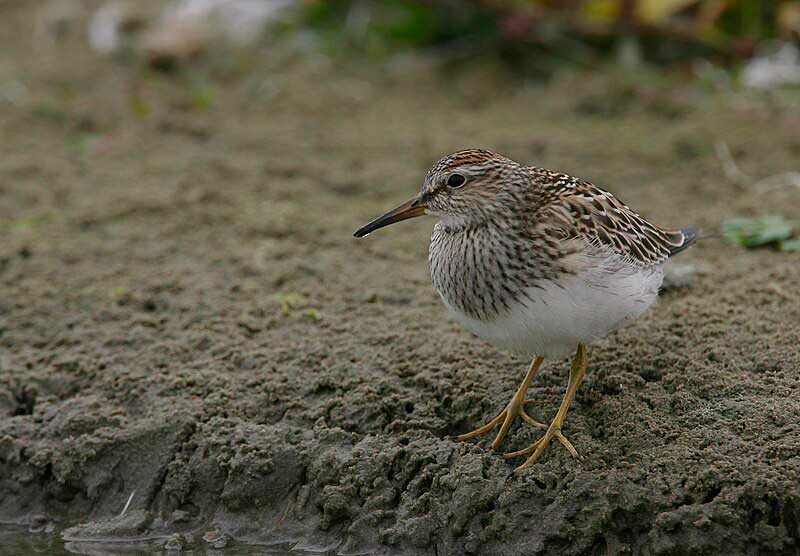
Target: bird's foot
x=514, y=409
x=504, y=419
x=576, y=373
x=537, y=448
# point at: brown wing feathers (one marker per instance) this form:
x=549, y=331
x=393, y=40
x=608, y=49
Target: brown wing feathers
x=603, y=219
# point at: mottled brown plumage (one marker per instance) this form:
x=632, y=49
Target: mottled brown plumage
x=537, y=262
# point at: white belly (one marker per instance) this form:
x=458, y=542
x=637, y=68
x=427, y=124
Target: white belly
x=584, y=309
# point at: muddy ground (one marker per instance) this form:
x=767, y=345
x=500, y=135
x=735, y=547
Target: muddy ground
x=185, y=315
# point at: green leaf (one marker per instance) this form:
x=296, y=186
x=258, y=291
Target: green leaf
x=407, y=22
x=791, y=245
x=202, y=98
x=288, y=301
x=292, y=298
x=311, y=314
x=138, y=106
x=753, y=232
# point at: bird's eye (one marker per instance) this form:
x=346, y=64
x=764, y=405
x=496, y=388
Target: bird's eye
x=456, y=180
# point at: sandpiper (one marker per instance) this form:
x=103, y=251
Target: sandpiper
x=536, y=262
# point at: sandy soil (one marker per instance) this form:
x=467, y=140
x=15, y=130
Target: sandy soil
x=185, y=315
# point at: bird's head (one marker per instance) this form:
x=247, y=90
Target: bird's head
x=461, y=188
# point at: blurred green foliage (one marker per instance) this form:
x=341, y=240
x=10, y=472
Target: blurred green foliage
x=755, y=232
x=666, y=28
x=792, y=245
x=377, y=26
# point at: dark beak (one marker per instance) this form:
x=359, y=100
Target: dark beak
x=410, y=209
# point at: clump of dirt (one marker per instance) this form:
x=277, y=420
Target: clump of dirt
x=184, y=314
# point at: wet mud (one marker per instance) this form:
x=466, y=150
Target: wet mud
x=185, y=316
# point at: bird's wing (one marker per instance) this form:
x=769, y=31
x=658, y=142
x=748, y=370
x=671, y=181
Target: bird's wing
x=603, y=220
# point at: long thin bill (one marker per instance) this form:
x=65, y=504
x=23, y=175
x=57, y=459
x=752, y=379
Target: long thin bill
x=410, y=209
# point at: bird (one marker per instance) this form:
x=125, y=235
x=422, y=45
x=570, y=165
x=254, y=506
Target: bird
x=538, y=263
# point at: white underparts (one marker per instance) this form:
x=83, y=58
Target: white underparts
x=553, y=318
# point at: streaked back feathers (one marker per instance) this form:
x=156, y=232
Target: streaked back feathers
x=497, y=188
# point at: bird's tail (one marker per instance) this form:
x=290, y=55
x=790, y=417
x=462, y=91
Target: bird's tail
x=690, y=235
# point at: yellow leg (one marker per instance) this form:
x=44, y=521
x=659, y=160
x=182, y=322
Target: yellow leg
x=576, y=373
x=514, y=409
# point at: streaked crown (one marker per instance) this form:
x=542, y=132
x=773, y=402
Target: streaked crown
x=468, y=182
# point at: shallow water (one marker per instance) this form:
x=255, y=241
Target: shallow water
x=18, y=541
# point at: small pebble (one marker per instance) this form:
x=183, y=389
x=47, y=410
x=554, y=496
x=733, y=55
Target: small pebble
x=180, y=516
x=175, y=543
x=38, y=523
x=216, y=540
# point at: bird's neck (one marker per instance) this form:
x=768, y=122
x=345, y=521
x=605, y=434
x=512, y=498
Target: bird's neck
x=459, y=223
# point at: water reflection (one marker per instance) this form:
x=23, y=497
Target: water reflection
x=18, y=541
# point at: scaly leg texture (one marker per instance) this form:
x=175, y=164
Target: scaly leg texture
x=514, y=409
x=577, y=372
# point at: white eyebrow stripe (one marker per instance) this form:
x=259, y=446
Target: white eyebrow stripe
x=471, y=169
